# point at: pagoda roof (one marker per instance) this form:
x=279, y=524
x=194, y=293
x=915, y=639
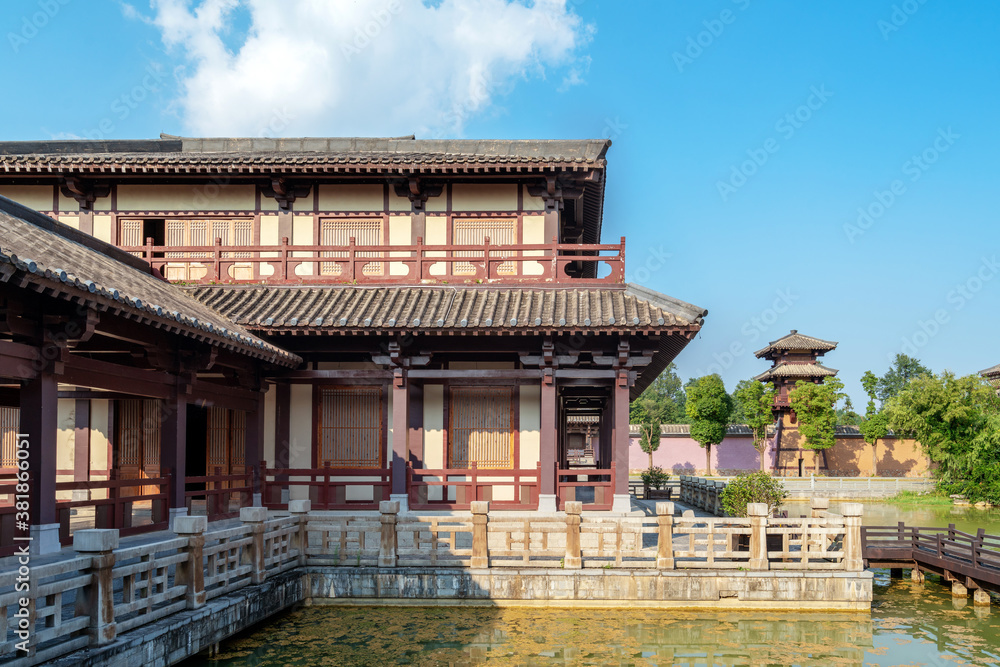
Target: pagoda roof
x=800, y=371
x=991, y=372
x=796, y=341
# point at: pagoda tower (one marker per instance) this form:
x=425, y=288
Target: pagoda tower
x=794, y=357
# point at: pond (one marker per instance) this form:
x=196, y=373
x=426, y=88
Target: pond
x=966, y=519
x=910, y=624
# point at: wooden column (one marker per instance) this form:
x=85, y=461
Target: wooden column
x=415, y=440
x=173, y=451
x=548, y=438
x=282, y=424
x=39, y=421
x=620, y=442
x=400, y=437
x=81, y=442
x=254, y=446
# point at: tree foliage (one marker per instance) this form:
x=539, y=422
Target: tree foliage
x=709, y=408
x=957, y=422
x=661, y=403
x=755, y=487
x=903, y=369
x=815, y=408
x=846, y=414
x=875, y=424
x=753, y=406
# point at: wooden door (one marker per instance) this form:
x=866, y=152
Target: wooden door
x=138, y=443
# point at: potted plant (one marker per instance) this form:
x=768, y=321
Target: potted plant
x=756, y=487
x=653, y=481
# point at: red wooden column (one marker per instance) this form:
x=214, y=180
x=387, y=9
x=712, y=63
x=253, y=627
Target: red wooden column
x=620, y=442
x=282, y=424
x=81, y=446
x=39, y=421
x=400, y=437
x=173, y=451
x=254, y=446
x=547, y=446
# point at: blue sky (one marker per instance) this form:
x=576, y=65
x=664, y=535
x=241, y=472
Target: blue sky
x=826, y=167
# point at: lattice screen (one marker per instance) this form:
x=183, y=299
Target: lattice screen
x=338, y=232
x=482, y=427
x=350, y=427
x=226, y=441
x=204, y=233
x=130, y=234
x=10, y=419
x=474, y=231
x=139, y=424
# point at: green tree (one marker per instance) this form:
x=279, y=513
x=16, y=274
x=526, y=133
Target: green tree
x=815, y=408
x=708, y=407
x=957, y=422
x=661, y=403
x=846, y=414
x=903, y=369
x=875, y=424
x=754, y=403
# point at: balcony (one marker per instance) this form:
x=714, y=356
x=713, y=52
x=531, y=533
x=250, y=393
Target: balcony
x=553, y=263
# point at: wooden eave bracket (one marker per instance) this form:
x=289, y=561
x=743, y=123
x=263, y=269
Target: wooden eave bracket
x=417, y=191
x=285, y=192
x=84, y=192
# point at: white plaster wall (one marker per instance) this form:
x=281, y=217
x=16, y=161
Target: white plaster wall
x=534, y=232
x=68, y=203
x=70, y=220
x=400, y=233
x=300, y=434
x=434, y=432
x=269, y=236
x=485, y=197
x=201, y=197
x=530, y=203
x=102, y=227
x=302, y=234
x=530, y=425
x=38, y=197
x=351, y=198
x=99, y=436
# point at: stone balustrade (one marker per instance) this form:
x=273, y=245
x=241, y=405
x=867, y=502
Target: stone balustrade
x=705, y=494
x=104, y=590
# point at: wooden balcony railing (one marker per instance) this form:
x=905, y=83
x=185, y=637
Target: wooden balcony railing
x=458, y=488
x=397, y=264
x=327, y=488
x=594, y=487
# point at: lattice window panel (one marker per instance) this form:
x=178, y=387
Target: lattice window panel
x=339, y=232
x=226, y=441
x=350, y=427
x=482, y=427
x=10, y=419
x=130, y=234
x=474, y=231
x=203, y=233
x=138, y=446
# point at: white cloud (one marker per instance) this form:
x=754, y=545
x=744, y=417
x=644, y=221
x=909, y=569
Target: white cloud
x=361, y=67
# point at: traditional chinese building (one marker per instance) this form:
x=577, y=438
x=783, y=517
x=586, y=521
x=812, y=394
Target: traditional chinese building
x=794, y=358
x=192, y=322
x=992, y=375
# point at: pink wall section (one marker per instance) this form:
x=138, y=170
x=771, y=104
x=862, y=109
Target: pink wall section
x=681, y=455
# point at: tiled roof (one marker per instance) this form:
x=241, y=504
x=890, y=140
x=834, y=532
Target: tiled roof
x=735, y=430
x=309, y=155
x=59, y=257
x=364, y=309
x=797, y=341
x=991, y=372
x=788, y=370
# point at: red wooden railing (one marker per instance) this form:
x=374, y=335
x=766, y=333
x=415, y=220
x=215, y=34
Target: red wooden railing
x=460, y=486
x=601, y=480
x=328, y=487
x=222, y=495
x=125, y=504
x=408, y=264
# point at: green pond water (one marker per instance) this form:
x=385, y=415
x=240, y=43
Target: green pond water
x=910, y=624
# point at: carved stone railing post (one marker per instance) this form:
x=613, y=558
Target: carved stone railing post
x=853, y=558
x=191, y=573
x=665, y=539
x=97, y=599
x=758, y=536
x=480, y=538
x=819, y=506
x=572, y=560
x=300, y=541
x=254, y=555
x=389, y=510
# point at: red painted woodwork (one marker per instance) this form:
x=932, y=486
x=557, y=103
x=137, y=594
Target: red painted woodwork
x=461, y=486
x=602, y=480
x=222, y=494
x=453, y=263
x=327, y=486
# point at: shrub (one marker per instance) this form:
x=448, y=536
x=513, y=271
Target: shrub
x=755, y=487
x=654, y=477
